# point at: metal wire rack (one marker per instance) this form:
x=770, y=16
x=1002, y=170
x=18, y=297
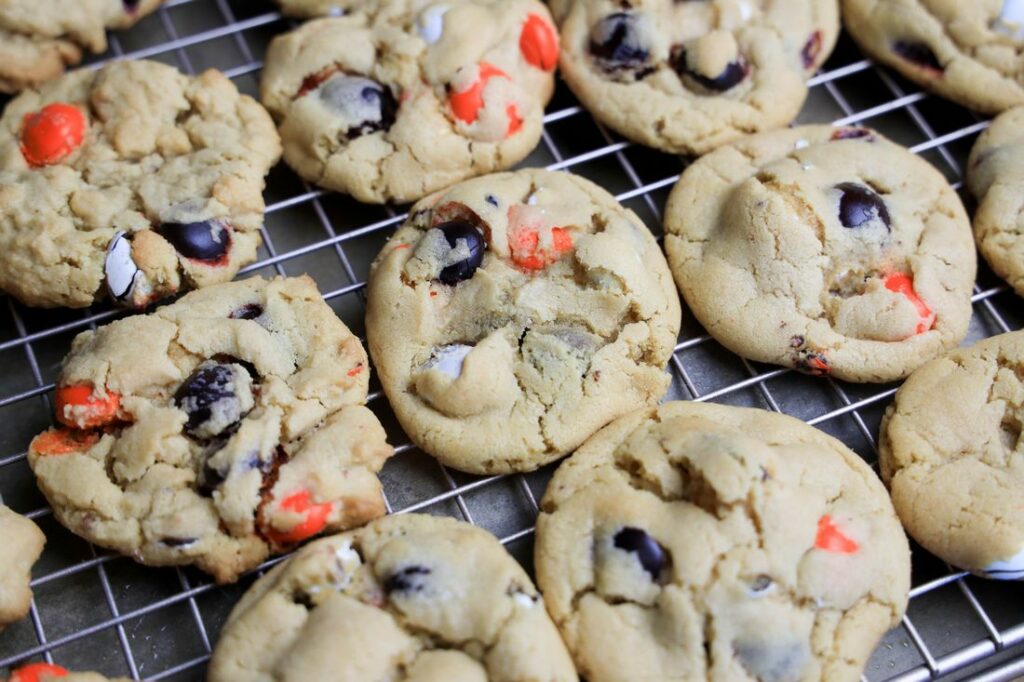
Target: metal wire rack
x=97, y=611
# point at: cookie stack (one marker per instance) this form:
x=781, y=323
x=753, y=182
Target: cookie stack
x=514, y=318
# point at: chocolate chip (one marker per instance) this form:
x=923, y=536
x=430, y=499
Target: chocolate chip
x=249, y=311
x=207, y=240
x=492, y=200
x=918, y=53
x=859, y=205
x=651, y=555
x=456, y=232
x=618, y=45
x=409, y=579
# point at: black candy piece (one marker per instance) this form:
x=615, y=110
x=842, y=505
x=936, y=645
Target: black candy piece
x=130, y=5
x=339, y=92
x=249, y=311
x=859, y=205
x=616, y=43
x=206, y=386
x=207, y=240
x=409, y=579
x=178, y=542
x=455, y=230
x=649, y=553
x=918, y=53
x=731, y=76
x=811, y=49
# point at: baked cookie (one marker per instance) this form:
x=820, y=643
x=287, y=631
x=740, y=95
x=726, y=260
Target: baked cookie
x=995, y=176
x=48, y=672
x=829, y=250
x=134, y=180
x=969, y=52
x=514, y=315
x=704, y=542
x=687, y=77
x=408, y=597
x=23, y=543
x=215, y=431
x=40, y=38
x=321, y=8
x=952, y=454
x=406, y=97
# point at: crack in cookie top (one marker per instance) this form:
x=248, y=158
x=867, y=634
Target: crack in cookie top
x=830, y=250
x=969, y=52
x=995, y=176
x=216, y=430
x=400, y=99
x=23, y=543
x=953, y=456
x=687, y=77
x=719, y=543
x=133, y=180
x=515, y=314
x=40, y=38
x=408, y=597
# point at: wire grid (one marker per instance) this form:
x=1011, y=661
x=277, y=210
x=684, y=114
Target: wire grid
x=95, y=610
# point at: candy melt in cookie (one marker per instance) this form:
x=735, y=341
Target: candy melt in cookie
x=430, y=23
x=1010, y=569
x=468, y=102
x=902, y=283
x=448, y=359
x=229, y=426
x=533, y=244
x=51, y=134
x=539, y=42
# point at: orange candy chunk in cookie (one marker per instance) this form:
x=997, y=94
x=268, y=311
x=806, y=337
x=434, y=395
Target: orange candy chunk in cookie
x=51, y=134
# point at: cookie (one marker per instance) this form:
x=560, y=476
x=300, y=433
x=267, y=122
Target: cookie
x=48, y=672
x=829, y=250
x=687, y=77
x=699, y=541
x=514, y=315
x=408, y=597
x=951, y=451
x=321, y=8
x=134, y=181
x=995, y=176
x=215, y=431
x=969, y=52
x=40, y=38
x=406, y=97
x=23, y=543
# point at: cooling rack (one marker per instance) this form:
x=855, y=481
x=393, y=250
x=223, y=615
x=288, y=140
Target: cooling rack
x=97, y=611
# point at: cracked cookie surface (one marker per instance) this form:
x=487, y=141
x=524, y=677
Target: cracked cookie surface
x=404, y=98
x=23, y=543
x=699, y=541
x=40, y=38
x=215, y=431
x=953, y=457
x=133, y=181
x=829, y=250
x=405, y=598
x=969, y=52
x=687, y=77
x=514, y=315
x=995, y=177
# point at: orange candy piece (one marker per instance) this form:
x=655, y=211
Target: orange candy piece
x=539, y=43
x=52, y=133
x=64, y=441
x=831, y=539
x=314, y=521
x=466, y=105
x=903, y=284
x=33, y=672
x=524, y=241
x=88, y=410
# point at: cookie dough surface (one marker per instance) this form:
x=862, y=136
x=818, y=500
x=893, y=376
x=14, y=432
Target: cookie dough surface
x=829, y=250
x=400, y=99
x=687, y=77
x=514, y=315
x=704, y=542
x=215, y=431
x=134, y=180
x=23, y=543
x=969, y=52
x=406, y=598
x=40, y=38
x=995, y=177
x=953, y=457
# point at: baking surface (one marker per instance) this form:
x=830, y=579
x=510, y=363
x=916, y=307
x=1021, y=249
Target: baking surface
x=97, y=611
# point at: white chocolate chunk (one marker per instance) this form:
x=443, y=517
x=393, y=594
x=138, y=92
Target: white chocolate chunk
x=448, y=359
x=1011, y=569
x=119, y=268
x=430, y=23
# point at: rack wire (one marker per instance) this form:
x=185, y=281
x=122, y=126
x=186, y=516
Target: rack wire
x=97, y=611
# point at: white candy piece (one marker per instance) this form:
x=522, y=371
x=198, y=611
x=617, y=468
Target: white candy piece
x=119, y=268
x=802, y=144
x=347, y=95
x=1011, y=569
x=448, y=359
x=430, y=23
x=1011, y=19
x=524, y=599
